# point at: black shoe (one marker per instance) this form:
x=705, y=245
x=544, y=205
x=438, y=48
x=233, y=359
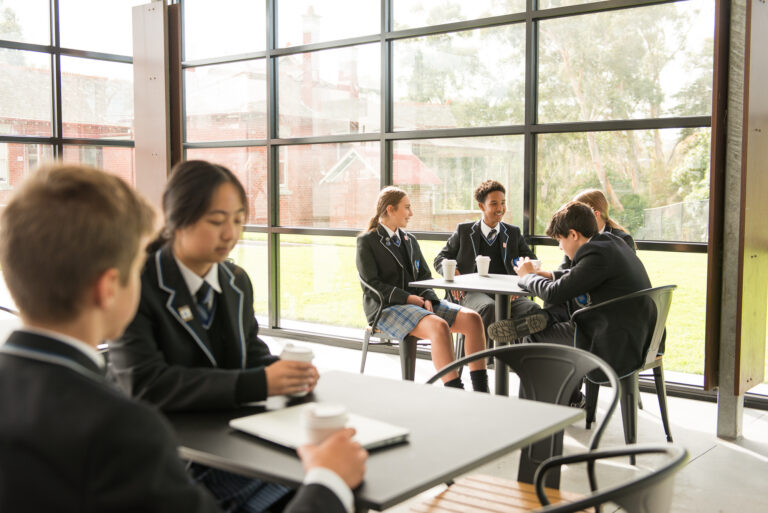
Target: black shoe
x=510, y=330
x=578, y=400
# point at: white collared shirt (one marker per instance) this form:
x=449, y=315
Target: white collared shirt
x=81, y=346
x=194, y=282
x=487, y=229
x=391, y=233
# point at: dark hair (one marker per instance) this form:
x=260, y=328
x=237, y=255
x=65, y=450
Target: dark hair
x=487, y=187
x=573, y=216
x=64, y=227
x=388, y=196
x=596, y=199
x=188, y=196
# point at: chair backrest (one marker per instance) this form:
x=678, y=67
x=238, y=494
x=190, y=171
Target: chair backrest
x=627, y=343
x=648, y=493
x=548, y=373
x=380, y=299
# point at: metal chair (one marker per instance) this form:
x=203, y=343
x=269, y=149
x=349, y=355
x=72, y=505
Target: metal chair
x=648, y=493
x=548, y=373
x=408, y=346
x=628, y=349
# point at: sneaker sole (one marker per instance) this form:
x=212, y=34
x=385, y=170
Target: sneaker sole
x=510, y=330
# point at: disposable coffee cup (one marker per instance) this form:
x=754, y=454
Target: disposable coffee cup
x=321, y=420
x=483, y=263
x=449, y=269
x=294, y=353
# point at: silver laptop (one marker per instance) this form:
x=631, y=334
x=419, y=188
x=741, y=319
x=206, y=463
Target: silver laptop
x=284, y=427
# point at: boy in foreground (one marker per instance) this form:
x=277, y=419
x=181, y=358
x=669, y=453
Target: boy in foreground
x=70, y=250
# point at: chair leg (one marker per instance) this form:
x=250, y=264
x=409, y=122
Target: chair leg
x=661, y=392
x=639, y=399
x=366, y=339
x=459, y=350
x=408, y=357
x=593, y=390
x=629, y=410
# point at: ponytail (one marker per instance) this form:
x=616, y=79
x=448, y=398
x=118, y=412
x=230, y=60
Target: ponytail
x=388, y=196
x=597, y=201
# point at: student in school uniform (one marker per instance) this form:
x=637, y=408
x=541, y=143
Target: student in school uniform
x=491, y=237
x=388, y=258
x=69, y=440
x=193, y=344
x=595, y=199
x=603, y=267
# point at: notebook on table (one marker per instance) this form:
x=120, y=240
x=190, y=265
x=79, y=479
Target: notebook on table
x=285, y=427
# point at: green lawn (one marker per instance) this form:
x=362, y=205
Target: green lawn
x=319, y=284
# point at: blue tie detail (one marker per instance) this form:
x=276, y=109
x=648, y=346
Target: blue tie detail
x=396, y=240
x=492, y=236
x=205, y=303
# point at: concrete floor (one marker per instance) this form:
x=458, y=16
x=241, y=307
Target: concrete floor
x=720, y=476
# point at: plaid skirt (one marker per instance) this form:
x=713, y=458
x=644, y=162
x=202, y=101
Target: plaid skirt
x=397, y=321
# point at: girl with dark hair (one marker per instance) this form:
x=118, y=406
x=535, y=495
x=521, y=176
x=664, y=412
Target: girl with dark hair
x=388, y=258
x=194, y=343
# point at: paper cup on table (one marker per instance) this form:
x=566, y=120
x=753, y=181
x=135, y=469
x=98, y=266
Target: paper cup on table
x=296, y=353
x=321, y=420
x=483, y=264
x=449, y=269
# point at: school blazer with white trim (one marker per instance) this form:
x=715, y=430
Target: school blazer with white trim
x=379, y=264
x=164, y=356
x=463, y=245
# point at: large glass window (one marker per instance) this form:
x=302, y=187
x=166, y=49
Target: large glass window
x=97, y=25
x=25, y=110
x=418, y=13
x=330, y=92
x=302, y=22
x=441, y=175
x=436, y=97
x=646, y=62
x=51, y=112
x=656, y=181
x=215, y=29
x=26, y=21
x=226, y=102
x=97, y=99
x=328, y=185
x=454, y=80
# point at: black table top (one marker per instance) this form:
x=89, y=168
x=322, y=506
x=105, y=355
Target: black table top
x=452, y=432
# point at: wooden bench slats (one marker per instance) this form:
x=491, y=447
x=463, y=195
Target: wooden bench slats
x=487, y=494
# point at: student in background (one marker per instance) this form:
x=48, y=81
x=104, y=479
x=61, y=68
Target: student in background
x=193, y=344
x=388, y=258
x=595, y=199
x=603, y=267
x=492, y=237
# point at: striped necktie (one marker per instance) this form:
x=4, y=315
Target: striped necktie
x=205, y=304
x=491, y=236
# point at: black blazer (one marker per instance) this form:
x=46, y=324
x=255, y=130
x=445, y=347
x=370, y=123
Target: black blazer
x=71, y=442
x=627, y=238
x=379, y=264
x=604, y=268
x=463, y=243
x=66, y=429
x=164, y=356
